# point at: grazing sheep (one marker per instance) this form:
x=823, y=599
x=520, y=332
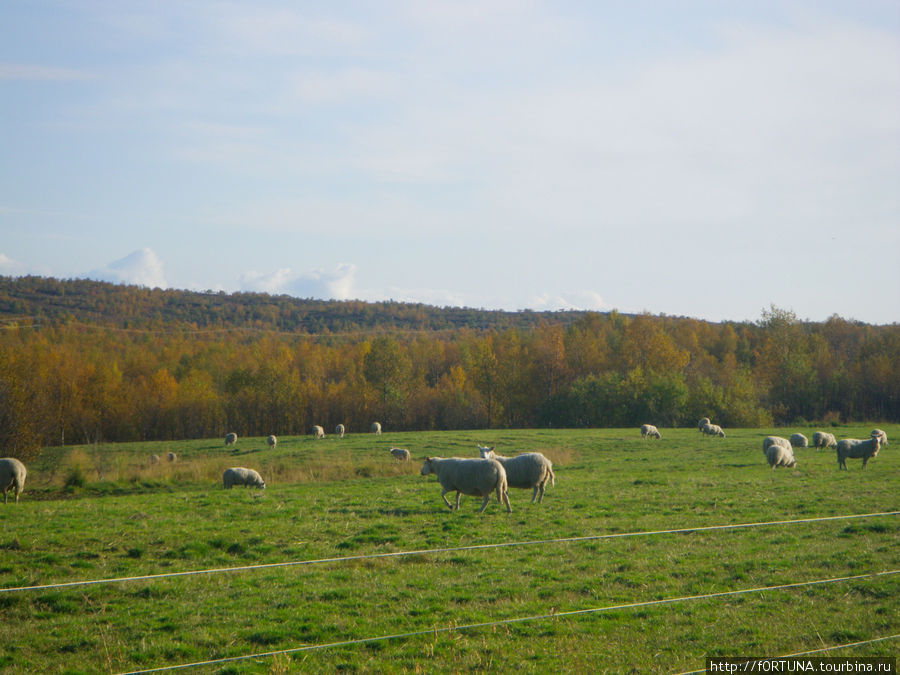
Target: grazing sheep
x=172, y=457
x=528, y=470
x=702, y=423
x=238, y=475
x=339, y=430
x=272, y=441
x=318, y=431
x=12, y=475
x=400, y=453
x=881, y=435
x=154, y=459
x=822, y=439
x=780, y=455
x=649, y=430
x=854, y=449
x=769, y=441
x=230, y=439
x=799, y=441
x=476, y=477
x=376, y=428
x=713, y=430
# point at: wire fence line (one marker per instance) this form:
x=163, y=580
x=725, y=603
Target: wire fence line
x=433, y=551
x=848, y=645
x=516, y=620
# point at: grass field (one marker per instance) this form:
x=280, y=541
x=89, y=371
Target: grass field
x=105, y=513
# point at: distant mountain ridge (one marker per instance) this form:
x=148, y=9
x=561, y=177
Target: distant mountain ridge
x=36, y=299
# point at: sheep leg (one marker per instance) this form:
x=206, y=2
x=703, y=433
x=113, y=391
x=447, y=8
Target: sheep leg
x=487, y=498
x=449, y=505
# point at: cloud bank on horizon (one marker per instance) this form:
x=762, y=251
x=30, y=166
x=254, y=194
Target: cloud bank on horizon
x=692, y=158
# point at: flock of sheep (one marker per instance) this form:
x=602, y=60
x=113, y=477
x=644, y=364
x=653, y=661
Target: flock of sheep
x=780, y=451
x=492, y=473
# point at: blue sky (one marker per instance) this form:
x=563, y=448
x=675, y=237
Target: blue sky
x=694, y=158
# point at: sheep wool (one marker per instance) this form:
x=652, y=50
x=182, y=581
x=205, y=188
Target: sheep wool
x=475, y=477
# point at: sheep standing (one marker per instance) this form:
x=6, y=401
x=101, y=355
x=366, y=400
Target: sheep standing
x=339, y=430
x=230, y=439
x=881, y=435
x=401, y=454
x=172, y=457
x=713, y=430
x=528, y=470
x=799, y=441
x=822, y=439
x=238, y=475
x=12, y=475
x=376, y=428
x=476, y=477
x=702, y=423
x=854, y=449
x=318, y=431
x=648, y=430
x=780, y=455
x=154, y=459
x=272, y=441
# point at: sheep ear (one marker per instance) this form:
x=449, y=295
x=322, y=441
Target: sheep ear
x=491, y=448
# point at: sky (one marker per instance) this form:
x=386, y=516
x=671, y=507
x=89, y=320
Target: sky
x=691, y=158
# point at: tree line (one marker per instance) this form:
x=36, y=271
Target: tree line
x=66, y=381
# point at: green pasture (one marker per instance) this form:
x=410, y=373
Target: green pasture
x=106, y=512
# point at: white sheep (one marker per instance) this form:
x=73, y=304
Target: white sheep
x=780, y=455
x=376, y=428
x=799, y=441
x=881, y=435
x=12, y=475
x=400, y=453
x=476, y=477
x=854, y=449
x=713, y=430
x=154, y=459
x=272, y=441
x=230, y=439
x=339, y=430
x=822, y=439
x=528, y=470
x=702, y=423
x=769, y=441
x=318, y=431
x=238, y=475
x=648, y=430
x=172, y=457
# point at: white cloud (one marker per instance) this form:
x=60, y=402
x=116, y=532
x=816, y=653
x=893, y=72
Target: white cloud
x=10, y=267
x=141, y=268
x=579, y=300
x=335, y=284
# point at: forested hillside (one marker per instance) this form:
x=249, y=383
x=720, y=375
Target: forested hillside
x=84, y=361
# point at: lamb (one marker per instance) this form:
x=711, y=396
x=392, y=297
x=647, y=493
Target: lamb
x=272, y=441
x=881, y=435
x=476, y=477
x=822, y=439
x=702, y=423
x=339, y=430
x=799, y=441
x=780, y=455
x=238, y=475
x=12, y=475
x=528, y=470
x=769, y=441
x=400, y=453
x=853, y=448
x=230, y=439
x=318, y=431
x=172, y=457
x=649, y=430
x=376, y=428
x=713, y=430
